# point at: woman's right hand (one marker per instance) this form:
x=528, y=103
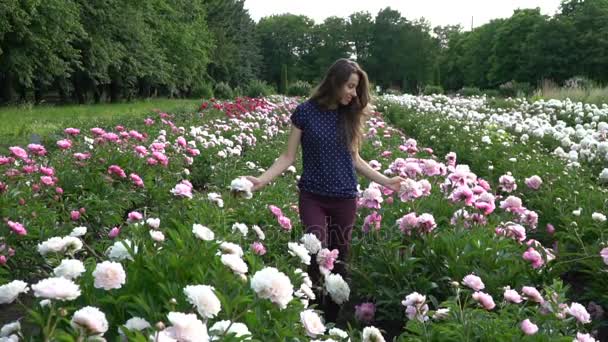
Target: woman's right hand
x=257, y=183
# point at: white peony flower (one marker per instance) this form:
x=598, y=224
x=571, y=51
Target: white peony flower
x=242, y=186
x=231, y=248
x=259, y=232
x=235, y=263
x=109, y=275
x=372, y=334
x=204, y=298
x=56, y=288
x=66, y=244
x=9, y=292
x=598, y=217
x=300, y=251
x=134, y=324
x=241, y=227
x=312, y=323
x=153, y=222
x=90, y=320
x=312, y=243
x=337, y=288
x=203, y=232
x=9, y=329
x=157, y=236
x=69, y=268
x=224, y=328
x=185, y=327
x=119, y=252
x=78, y=231
x=271, y=284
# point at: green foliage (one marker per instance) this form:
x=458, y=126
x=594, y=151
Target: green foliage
x=223, y=91
x=258, y=88
x=515, y=89
x=299, y=88
x=433, y=89
x=203, y=90
x=469, y=91
x=491, y=92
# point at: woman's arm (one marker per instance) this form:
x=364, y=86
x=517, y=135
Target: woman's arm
x=368, y=172
x=286, y=158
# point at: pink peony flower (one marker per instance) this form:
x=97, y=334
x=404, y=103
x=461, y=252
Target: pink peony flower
x=604, y=255
x=528, y=327
x=258, y=248
x=485, y=202
x=410, y=190
x=285, y=222
x=141, y=151
x=17, y=228
x=18, y=152
x=408, y=223
x=533, y=182
x=371, y=198
x=64, y=144
x=365, y=312
x=507, y=183
x=512, y=204
x=474, y=282
x=451, y=159
x=134, y=216
x=326, y=259
x=97, y=131
x=580, y=337
x=426, y=222
x=372, y=220
x=46, y=180
x=534, y=257
x=75, y=215
x=512, y=296
x=114, y=232
x=82, y=156
x=137, y=181
x=117, y=170
x=484, y=299
x=579, y=312
x=37, y=149
x=183, y=189
x=532, y=294
x=71, y=131
x=276, y=211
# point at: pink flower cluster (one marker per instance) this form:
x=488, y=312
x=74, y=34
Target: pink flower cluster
x=284, y=221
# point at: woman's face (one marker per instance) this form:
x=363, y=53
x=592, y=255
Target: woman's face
x=349, y=89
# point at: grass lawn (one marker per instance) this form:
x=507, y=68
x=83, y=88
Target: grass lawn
x=19, y=122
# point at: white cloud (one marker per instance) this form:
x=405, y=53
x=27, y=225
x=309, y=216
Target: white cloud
x=438, y=12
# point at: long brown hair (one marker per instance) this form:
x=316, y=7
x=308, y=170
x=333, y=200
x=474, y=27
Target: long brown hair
x=352, y=116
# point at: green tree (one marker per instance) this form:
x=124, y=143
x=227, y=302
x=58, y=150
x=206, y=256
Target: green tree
x=35, y=45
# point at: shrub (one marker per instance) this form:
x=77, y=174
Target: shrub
x=223, y=91
x=257, y=88
x=299, y=88
x=202, y=90
x=433, y=89
x=469, y=91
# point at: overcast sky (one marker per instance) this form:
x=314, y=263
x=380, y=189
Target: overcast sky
x=438, y=12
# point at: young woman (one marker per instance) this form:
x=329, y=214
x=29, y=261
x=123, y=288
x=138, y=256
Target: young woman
x=329, y=128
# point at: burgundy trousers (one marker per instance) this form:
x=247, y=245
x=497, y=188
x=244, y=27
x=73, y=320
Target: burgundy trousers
x=331, y=219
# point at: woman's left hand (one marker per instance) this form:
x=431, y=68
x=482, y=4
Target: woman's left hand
x=394, y=183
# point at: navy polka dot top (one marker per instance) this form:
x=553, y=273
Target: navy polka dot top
x=327, y=162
